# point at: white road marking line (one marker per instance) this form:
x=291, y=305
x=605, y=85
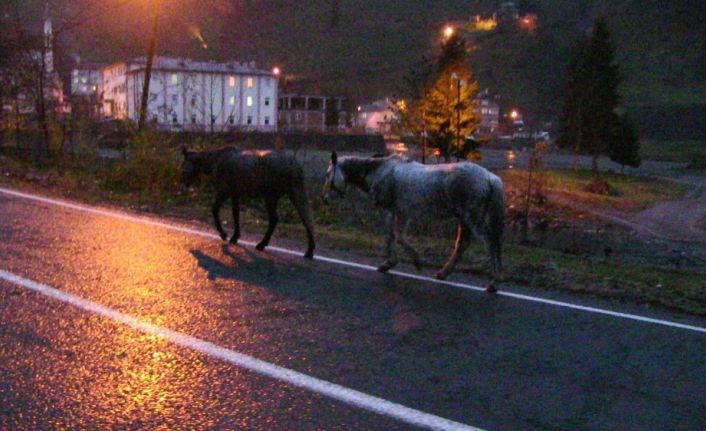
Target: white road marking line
x=147, y=221
x=337, y=392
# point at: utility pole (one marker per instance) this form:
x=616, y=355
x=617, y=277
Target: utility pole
x=148, y=68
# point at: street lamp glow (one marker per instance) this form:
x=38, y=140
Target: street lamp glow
x=448, y=31
x=276, y=71
x=514, y=114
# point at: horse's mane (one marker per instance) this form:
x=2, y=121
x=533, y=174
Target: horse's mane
x=206, y=159
x=356, y=169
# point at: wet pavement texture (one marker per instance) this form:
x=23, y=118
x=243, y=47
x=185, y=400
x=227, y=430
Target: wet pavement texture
x=488, y=361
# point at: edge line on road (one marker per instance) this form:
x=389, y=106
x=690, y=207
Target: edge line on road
x=337, y=392
x=151, y=222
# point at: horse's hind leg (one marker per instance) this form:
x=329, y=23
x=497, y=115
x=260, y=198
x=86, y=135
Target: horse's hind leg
x=390, y=245
x=235, y=203
x=271, y=206
x=402, y=225
x=463, y=240
x=216, y=211
x=300, y=203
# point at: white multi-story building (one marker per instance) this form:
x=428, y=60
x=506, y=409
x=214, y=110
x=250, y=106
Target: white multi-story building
x=193, y=95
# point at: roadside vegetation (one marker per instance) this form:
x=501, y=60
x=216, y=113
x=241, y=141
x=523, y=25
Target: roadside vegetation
x=562, y=250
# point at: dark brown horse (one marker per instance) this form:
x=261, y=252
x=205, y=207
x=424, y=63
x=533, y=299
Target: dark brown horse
x=235, y=173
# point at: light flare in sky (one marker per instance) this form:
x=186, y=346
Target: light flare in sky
x=196, y=33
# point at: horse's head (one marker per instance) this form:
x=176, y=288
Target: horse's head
x=190, y=169
x=335, y=183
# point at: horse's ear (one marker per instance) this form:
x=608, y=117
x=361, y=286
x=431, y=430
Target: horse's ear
x=334, y=158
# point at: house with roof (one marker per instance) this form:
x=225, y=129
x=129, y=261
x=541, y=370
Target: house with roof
x=376, y=117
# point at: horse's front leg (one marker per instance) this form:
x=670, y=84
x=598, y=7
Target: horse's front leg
x=235, y=203
x=390, y=245
x=300, y=202
x=271, y=206
x=216, y=211
x=463, y=240
x=402, y=226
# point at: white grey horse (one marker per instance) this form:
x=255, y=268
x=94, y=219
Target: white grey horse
x=412, y=191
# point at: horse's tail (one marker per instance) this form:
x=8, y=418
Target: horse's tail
x=496, y=223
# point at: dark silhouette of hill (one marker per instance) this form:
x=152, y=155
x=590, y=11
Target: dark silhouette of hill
x=362, y=48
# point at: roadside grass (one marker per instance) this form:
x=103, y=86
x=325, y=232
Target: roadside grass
x=684, y=151
x=629, y=193
x=528, y=266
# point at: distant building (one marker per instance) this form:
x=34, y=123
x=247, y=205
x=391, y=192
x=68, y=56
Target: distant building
x=38, y=63
x=309, y=113
x=376, y=117
x=192, y=95
x=488, y=109
x=86, y=88
x=507, y=13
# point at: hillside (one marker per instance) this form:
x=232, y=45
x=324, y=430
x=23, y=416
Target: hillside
x=362, y=48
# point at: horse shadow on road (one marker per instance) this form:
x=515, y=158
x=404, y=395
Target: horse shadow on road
x=403, y=305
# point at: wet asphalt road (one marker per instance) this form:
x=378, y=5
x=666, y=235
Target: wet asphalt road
x=492, y=362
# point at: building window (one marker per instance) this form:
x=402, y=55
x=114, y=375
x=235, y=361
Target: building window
x=249, y=100
x=250, y=82
x=249, y=119
x=231, y=101
x=175, y=120
x=231, y=81
x=298, y=116
x=175, y=78
x=193, y=119
x=175, y=99
x=231, y=120
x=267, y=101
x=193, y=101
x=213, y=119
x=267, y=121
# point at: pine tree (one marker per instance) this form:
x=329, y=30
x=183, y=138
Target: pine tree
x=625, y=145
x=447, y=109
x=591, y=95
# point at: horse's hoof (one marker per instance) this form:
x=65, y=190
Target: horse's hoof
x=309, y=255
x=234, y=240
x=224, y=236
x=384, y=268
x=260, y=246
x=490, y=288
x=440, y=276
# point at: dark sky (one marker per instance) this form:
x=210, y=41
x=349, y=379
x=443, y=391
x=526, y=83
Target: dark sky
x=362, y=48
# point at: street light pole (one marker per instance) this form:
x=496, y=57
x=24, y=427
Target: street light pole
x=459, y=83
x=148, y=68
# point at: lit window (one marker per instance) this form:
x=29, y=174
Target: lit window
x=175, y=78
x=232, y=101
x=250, y=82
x=249, y=100
x=231, y=81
